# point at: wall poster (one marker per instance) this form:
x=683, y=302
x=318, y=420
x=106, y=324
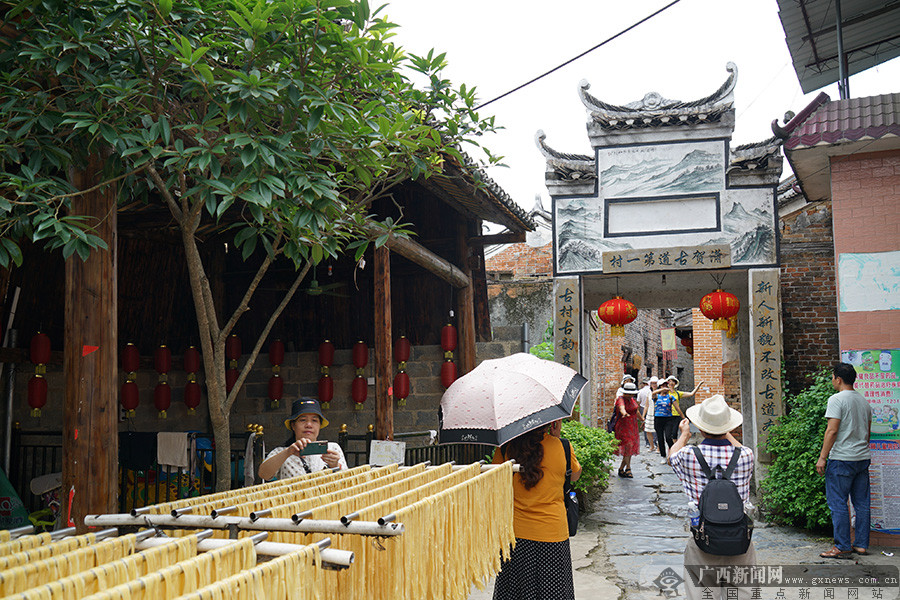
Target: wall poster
x=878, y=379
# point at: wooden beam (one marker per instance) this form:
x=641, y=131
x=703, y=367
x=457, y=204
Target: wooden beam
x=384, y=405
x=512, y=237
x=465, y=306
x=90, y=431
x=423, y=257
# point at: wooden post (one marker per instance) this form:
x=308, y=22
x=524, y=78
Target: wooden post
x=384, y=406
x=90, y=432
x=465, y=305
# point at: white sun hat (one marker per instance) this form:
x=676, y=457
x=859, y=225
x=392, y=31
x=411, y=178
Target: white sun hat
x=714, y=416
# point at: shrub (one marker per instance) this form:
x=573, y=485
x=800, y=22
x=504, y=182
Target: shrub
x=792, y=492
x=594, y=448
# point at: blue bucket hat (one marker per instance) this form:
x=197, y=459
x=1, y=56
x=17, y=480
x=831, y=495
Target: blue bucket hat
x=305, y=406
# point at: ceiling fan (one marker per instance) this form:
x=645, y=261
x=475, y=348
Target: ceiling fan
x=314, y=289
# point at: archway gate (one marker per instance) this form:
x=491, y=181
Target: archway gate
x=664, y=211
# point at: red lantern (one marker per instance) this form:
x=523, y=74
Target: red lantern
x=359, y=390
x=233, y=350
x=39, y=350
x=131, y=358
x=276, y=389
x=326, y=353
x=448, y=373
x=276, y=353
x=231, y=376
x=37, y=394
x=162, y=360
x=326, y=384
x=326, y=390
x=617, y=313
x=401, y=385
x=191, y=360
x=130, y=397
x=360, y=355
x=448, y=338
x=719, y=306
x=162, y=398
x=192, y=394
x=402, y=350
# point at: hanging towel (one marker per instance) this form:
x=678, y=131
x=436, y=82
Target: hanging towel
x=249, y=469
x=172, y=449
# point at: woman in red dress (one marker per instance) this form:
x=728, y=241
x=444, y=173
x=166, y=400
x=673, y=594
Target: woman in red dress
x=627, y=427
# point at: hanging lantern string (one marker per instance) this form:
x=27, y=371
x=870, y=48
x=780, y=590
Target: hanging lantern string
x=617, y=286
x=718, y=280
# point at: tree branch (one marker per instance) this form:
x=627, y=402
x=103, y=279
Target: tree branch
x=170, y=201
x=95, y=187
x=245, y=301
x=229, y=401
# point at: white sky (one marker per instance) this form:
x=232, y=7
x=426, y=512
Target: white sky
x=681, y=53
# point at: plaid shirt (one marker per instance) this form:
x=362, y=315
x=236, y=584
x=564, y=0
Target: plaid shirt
x=716, y=452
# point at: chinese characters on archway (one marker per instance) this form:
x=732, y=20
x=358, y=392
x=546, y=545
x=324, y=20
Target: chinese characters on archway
x=566, y=321
x=765, y=332
x=676, y=258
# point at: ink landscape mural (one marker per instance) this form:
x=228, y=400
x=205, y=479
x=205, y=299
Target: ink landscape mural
x=664, y=172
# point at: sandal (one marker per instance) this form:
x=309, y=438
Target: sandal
x=835, y=552
x=628, y=473
x=622, y=473
x=861, y=551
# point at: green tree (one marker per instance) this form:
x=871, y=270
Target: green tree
x=280, y=120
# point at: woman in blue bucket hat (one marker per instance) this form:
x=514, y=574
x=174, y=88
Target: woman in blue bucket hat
x=293, y=458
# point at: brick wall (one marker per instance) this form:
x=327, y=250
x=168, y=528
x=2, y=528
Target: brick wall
x=865, y=192
x=707, y=356
x=522, y=260
x=808, y=293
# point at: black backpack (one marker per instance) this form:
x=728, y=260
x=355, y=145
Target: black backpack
x=724, y=529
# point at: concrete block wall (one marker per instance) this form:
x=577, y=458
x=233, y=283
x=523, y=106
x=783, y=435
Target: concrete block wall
x=865, y=191
x=808, y=293
x=301, y=375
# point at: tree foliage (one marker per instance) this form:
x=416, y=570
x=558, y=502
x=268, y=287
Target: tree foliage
x=792, y=492
x=285, y=115
x=279, y=121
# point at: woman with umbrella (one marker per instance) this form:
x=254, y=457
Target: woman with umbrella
x=540, y=567
x=511, y=402
x=626, y=428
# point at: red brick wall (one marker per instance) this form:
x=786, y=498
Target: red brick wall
x=522, y=260
x=808, y=293
x=865, y=191
x=707, y=356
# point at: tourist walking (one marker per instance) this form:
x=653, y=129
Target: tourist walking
x=665, y=418
x=645, y=401
x=627, y=427
x=844, y=461
x=540, y=566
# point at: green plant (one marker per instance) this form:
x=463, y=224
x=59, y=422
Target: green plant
x=792, y=492
x=594, y=449
x=545, y=348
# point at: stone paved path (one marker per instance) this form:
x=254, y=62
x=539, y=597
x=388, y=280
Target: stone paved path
x=638, y=527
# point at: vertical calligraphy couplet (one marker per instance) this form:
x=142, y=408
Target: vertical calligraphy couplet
x=567, y=322
x=765, y=345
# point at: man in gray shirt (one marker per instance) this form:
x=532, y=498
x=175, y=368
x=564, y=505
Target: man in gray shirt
x=844, y=460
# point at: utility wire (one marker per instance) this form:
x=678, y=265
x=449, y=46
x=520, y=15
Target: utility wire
x=588, y=51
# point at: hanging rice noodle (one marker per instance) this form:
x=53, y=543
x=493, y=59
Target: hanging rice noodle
x=107, y=575
x=64, y=545
x=295, y=576
x=186, y=576
x=26, y=542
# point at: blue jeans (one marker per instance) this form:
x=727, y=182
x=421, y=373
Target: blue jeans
x=848, y=479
